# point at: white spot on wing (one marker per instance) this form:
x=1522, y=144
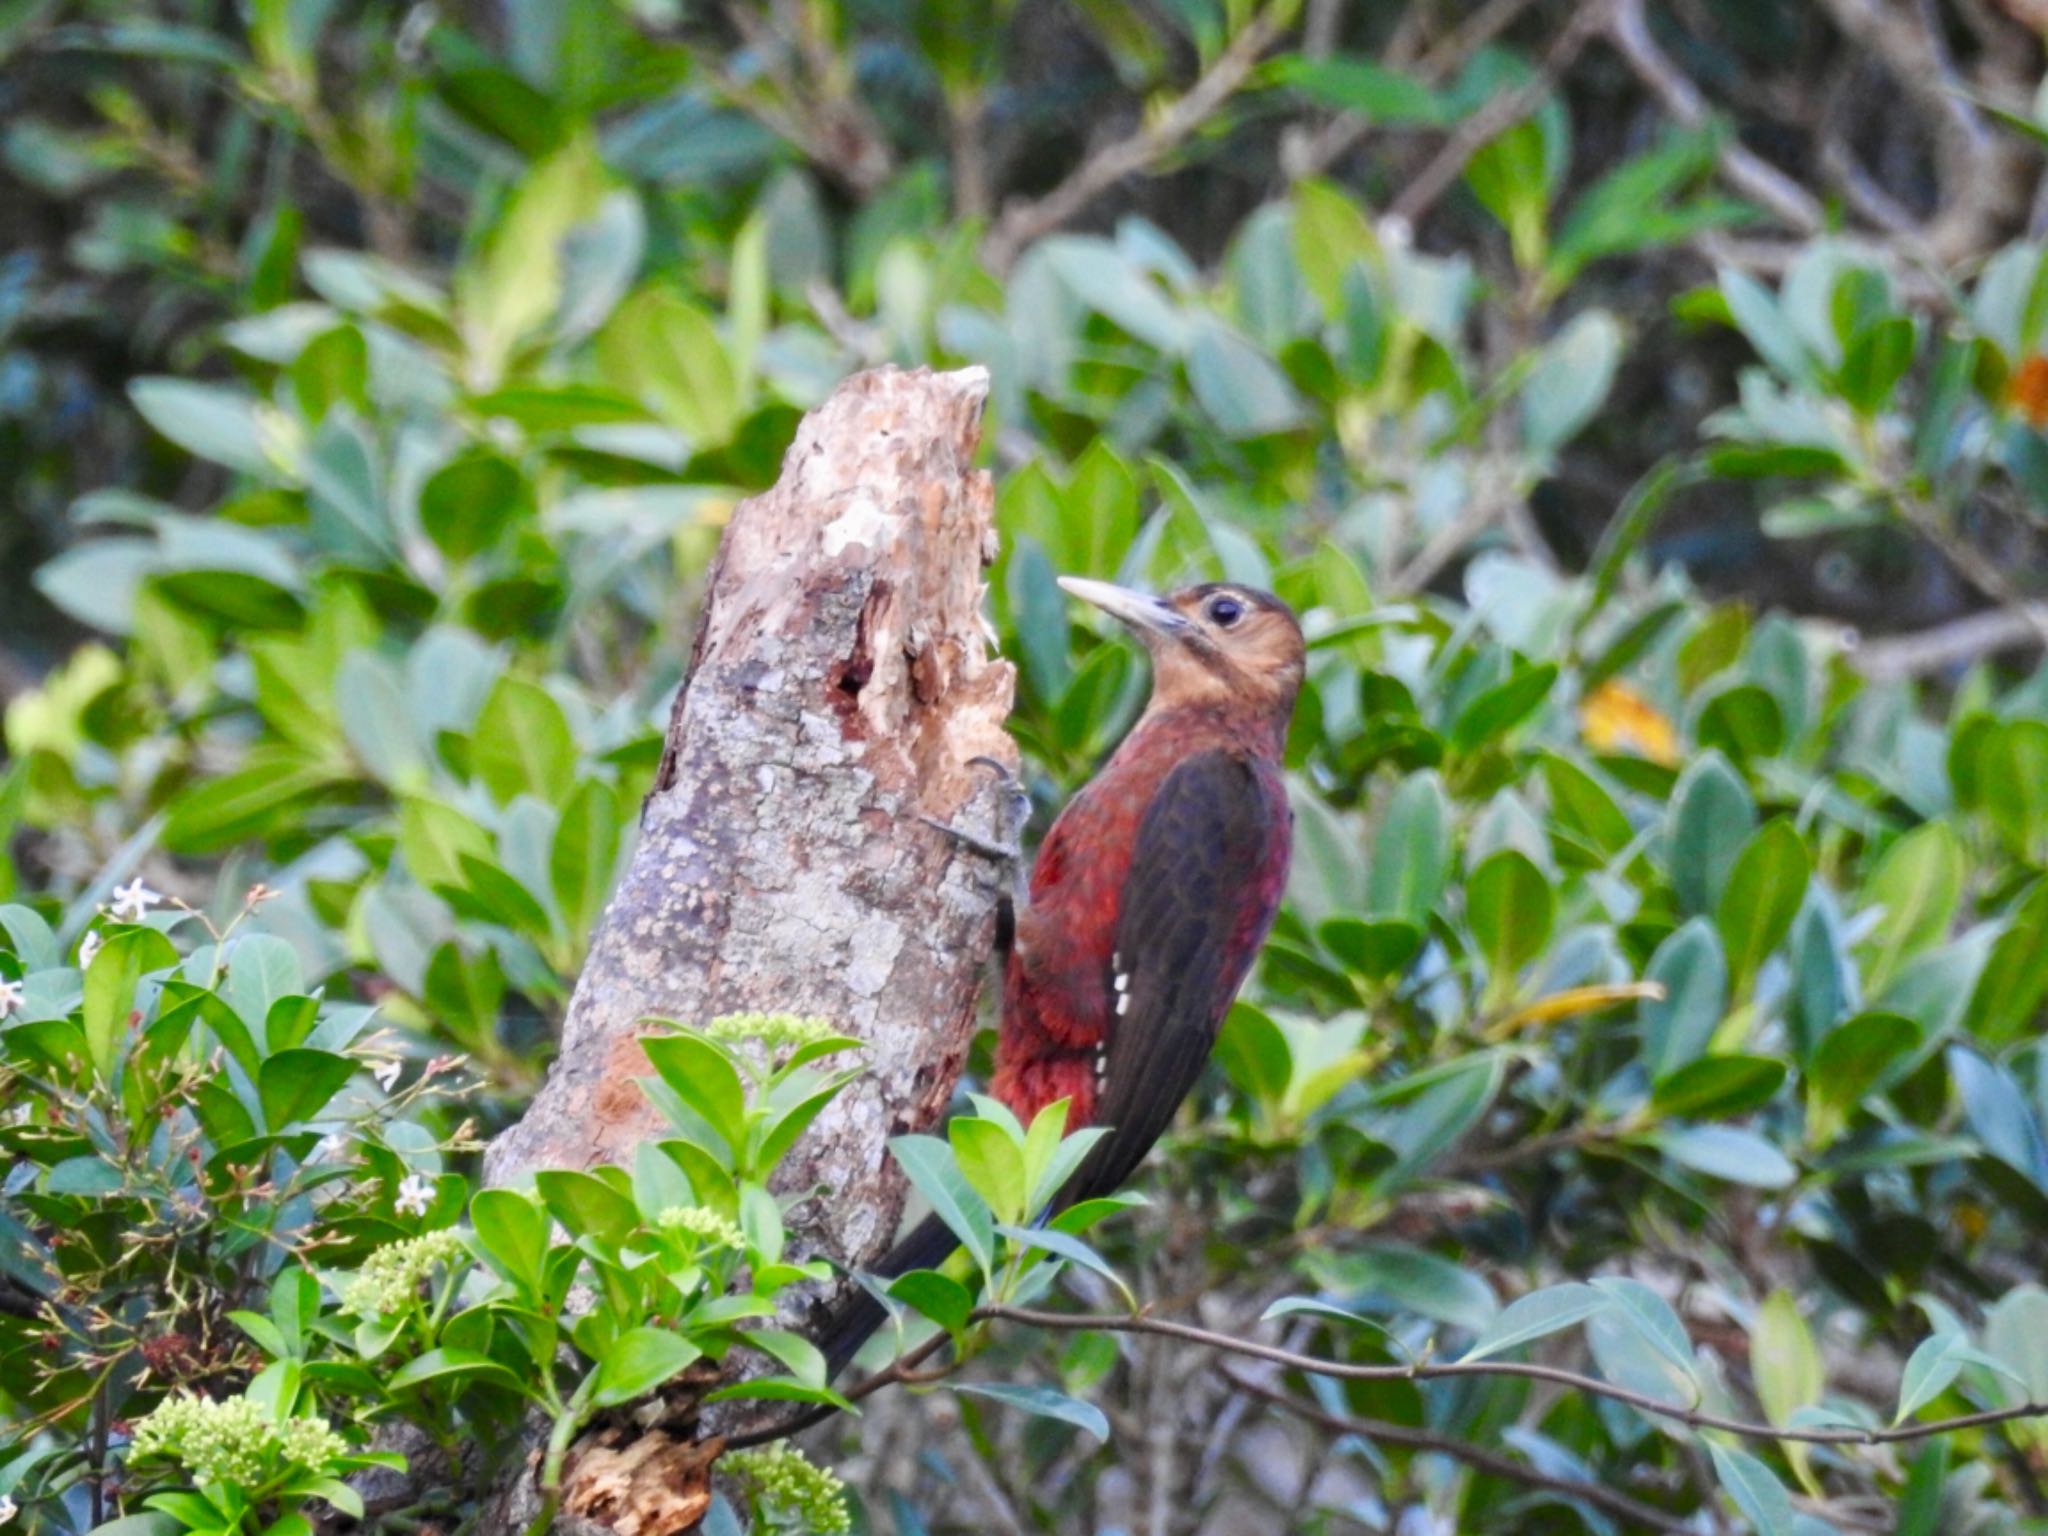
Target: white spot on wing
x=1123, y=1003
x=1123, y=981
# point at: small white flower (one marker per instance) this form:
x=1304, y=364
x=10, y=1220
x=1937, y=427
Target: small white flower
x=8, y=1509
x=11, y=997
x=132, y=900
x=415, y=1194
x=331, y=1148
x=88, y=947
x=386, y=1072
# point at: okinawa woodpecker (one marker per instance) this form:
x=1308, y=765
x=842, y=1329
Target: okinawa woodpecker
x=1149, y=899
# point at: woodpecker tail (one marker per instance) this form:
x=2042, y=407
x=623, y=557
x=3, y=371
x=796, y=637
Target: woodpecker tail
x=925, y=1246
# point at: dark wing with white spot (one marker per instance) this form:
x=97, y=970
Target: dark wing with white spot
x=1194, y=908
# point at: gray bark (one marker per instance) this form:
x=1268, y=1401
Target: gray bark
x=839, y=684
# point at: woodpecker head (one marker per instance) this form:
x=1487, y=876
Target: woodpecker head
x=1217, y=644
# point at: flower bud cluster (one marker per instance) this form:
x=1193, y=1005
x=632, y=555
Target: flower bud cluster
x=390, y=1277
x=703, y=1223
x=794, y=1488
x=231, y=1440
x=775, y=1031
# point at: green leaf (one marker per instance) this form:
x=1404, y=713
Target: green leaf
x=1743, y=721
x=1510, y=907
x=1535, y=1316
x=1498, y=710
x=1583, y=807
x=467, y=503
x=668, y=352
x=585, y=852
x=1712, y=816
x=1651, y=1316
x=1570, y=380
x=1723, y=1152
x=276, y=778
x=1046, y=1403
x=440, y=1366
x=298, y=1084
x=1918, y=886
x=938, y=1296
x=513, y=1231
x=2012, y=774
x=522, y=744
x=210, y=422
x=1356, y=84
x=110, y=983
x=1786, y=1364
x=1411, y=852
x=639, y=1360
x=1411, y=1279
x=1757, y=316
x=1850, y=1061
x=1760, y=1496
x=1241, y=388
x=1762, y=896
x=584, y=1203
x=1676, y=1029
x=1063, y=1245
x=1930, y=1369
x=2010, y=988
x=703, y=1076
x=929, y=1163
x=795, y=1352
x=993, y=1163
x=1784, y=1357
x=1875, y=362
x=1718, y=1086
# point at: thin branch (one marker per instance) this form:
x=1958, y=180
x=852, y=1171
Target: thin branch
x=1954, y=644
x=1381, y=1432
x=1501, y=113
x=1692, y=1418
x=1023, y=222
x=1975, y=567
x=903, y=1369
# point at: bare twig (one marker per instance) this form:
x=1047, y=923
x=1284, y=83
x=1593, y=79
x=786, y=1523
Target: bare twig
x=1023, y=222
x=1954, y=644
x=1501, y=112
x=1619, y=1505
x=1970, y=562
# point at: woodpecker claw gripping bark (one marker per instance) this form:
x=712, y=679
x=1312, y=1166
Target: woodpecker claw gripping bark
x=1150, y=897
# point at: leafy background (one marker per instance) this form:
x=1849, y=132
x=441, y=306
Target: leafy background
x=1643, y=404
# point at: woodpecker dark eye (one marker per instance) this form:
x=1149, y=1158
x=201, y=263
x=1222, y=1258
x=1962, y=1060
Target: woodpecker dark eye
x=1225, y=611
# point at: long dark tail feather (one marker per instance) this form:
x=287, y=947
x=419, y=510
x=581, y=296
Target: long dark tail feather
x=925, y=1246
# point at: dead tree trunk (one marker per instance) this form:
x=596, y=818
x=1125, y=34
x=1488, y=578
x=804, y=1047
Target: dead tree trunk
x=838, y=686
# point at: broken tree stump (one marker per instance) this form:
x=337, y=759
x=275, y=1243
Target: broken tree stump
x=839, y=684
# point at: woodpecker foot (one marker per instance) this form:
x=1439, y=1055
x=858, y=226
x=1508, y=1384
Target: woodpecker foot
x=1004, y=846
x=988, y=848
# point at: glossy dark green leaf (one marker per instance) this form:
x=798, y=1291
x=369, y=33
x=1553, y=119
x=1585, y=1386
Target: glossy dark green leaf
x=1717, y=1086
